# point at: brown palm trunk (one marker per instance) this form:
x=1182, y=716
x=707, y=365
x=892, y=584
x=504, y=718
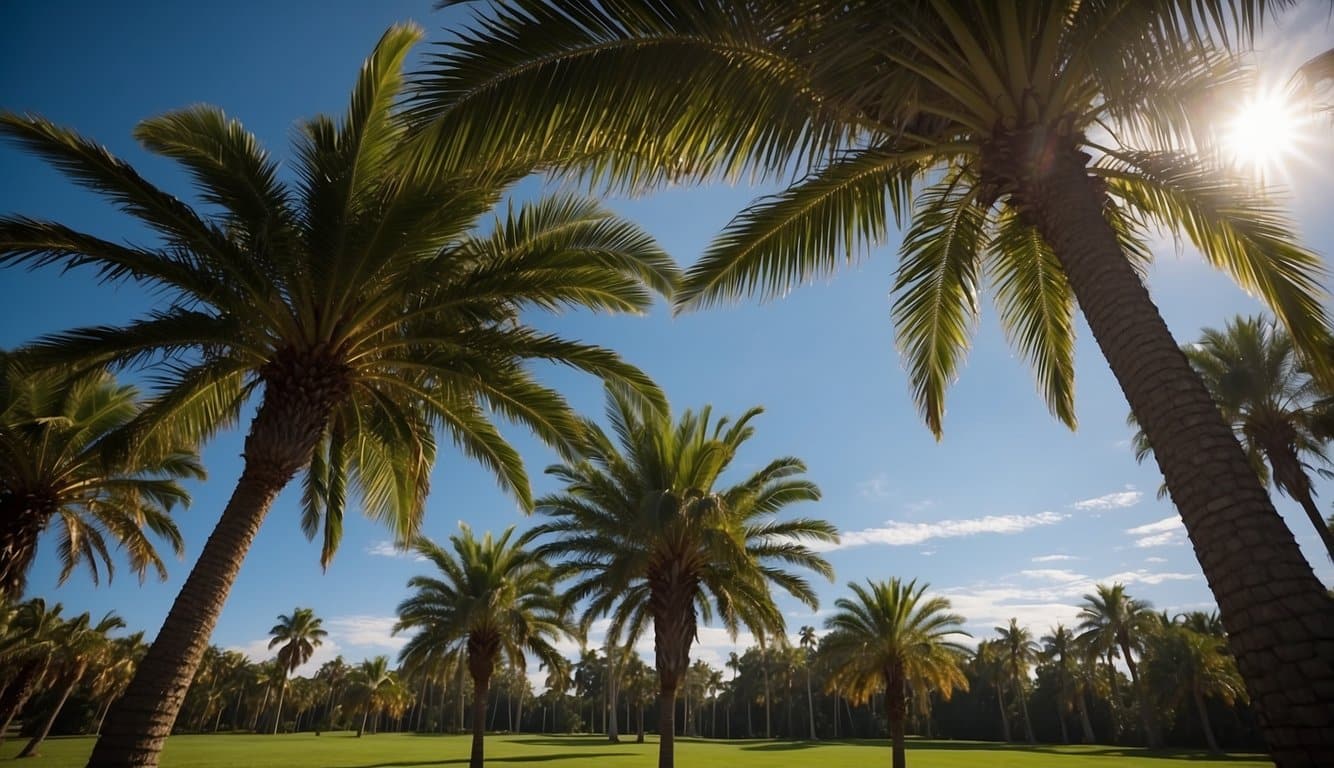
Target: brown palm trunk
x=278, y=713
x=1204, y=723
x=31, y=748
x=283, y=435
x=1146, y=717
x=18, y=692
x=1005, y=715
x=482, y=652
x=23, y=515
x=1023, y=707
x=613, y=685
x=674, y=627
x=1279, y=619
x=1085, y=724
x=896, y=709
x=1288, y=470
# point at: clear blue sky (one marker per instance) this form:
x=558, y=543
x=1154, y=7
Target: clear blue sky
x=1011, y=515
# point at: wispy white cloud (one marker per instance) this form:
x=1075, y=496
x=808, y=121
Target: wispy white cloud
x=896, y=533
x=1052, y=574
x=366, y=631
x=1053, y=558
x=1160, y=533
x=919, y=506
x=1118, y=500
x=387, y=548
x=1155, y=560
x=876, y=487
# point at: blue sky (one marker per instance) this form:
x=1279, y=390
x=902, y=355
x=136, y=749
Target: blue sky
x=1010, y=515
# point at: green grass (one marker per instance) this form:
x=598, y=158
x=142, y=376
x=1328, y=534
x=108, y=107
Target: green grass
x=344, y=750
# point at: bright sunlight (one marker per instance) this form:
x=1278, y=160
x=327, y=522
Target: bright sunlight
x=1264, y=133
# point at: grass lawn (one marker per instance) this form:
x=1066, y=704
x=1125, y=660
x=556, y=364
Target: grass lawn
x=344, y=750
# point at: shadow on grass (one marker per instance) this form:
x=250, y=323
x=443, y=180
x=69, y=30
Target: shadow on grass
x=489, y=760
x=992, y=746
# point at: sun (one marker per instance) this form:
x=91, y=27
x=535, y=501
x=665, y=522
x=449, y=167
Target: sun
x=1263, y=133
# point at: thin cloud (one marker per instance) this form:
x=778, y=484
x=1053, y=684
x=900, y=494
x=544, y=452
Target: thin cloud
x=1052, y=574
x=1119, y=500
x=1053, y=558
x=1161, y=533
x=387, y=548
x=896, y=533
x=876, y=487
x=367, y=631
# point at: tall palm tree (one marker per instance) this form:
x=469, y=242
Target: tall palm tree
x=1020, y=652
x=558, y=683
x=334, y=673
x=1194, y=666
x=64, y=461
x=79, y=644
x=649, y=535
x=30, y=645
x=372, y=677
x=808, y=641
x=733, y=663
x=1031, y=144
x=114, y=676
x=1252, y=370
x=493, y=594
x=352, y=305
x=297, y=636
x=1113, y=623
x=1059, y=648
x=890, y=636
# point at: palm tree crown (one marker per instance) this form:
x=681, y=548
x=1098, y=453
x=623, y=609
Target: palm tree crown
x=297, y=636
x=648, y=535
x=63, y=461
x=890, y=636
x=352, y=303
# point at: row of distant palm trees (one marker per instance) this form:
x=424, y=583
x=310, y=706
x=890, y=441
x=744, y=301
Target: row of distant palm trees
x=354, y=306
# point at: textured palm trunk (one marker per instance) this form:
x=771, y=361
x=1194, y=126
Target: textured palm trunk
x=1005, y=716
x=896, y=710
x=1290, y=476
x=482, y=653
x=764, y=662
x=278, y=713
x=30, y=749
x=288, y=425
x=1279, y=619
x=1023, y=707
x=1205, y=724
x=671, y=601
x=1085, y=723
x=613, y=685
x=639, y=730
x=810, y=702
x=18, y=692
x=23, y=515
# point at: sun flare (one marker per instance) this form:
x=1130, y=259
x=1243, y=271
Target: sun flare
x=1263, y=133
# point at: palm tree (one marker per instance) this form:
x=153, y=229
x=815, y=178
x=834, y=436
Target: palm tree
x=298, y=635
x=1195, y=666
x=494, y=595
x=649, y=536
x=558, y=682
x=79, y=644
x=114, y=676
x=890, y=636
x=1252, y=370
x=1112, y=623
x=989, y=663
x=1021, y=652
x=1034, y=144
x=372, y=677
x=734, y=663
x=30, y=645
x=64, y=461
x=334, y=673
x=808, y=641
x=1059, y=648
x=352, y=305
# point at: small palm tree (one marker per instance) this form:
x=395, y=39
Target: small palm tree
x=351, y=305
x=808, y=641
x=1113, y=624
x=1253, y=371
x=1030, y=147
x=889, y=636
x=79, y=645
x=1021, y=652
x=495, y=596
x=64, y=462
x=371, y=679
x=649, y=536
x=1058, y=647
x=28, y=648
x=297, y=636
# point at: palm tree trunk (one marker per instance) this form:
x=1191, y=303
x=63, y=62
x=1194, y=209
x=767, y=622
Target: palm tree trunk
x=1313, y=512
x=283, y=435
x=1084, y=723
x=254, y=722
x=278, y=713
x=1005, y=717
x=671, y=599
x=896, y=706
x=613, y=685
x=1279, y=619
x=764, y=662
x=17, y=694
x=1023, y=707
x=102, y=714
x=30, y=749
x=482, y=652
x=365, y=714
x=1145, y=705
x=1204, y=723
x=639, y=732
x=810, y=702
x=1060, y=718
